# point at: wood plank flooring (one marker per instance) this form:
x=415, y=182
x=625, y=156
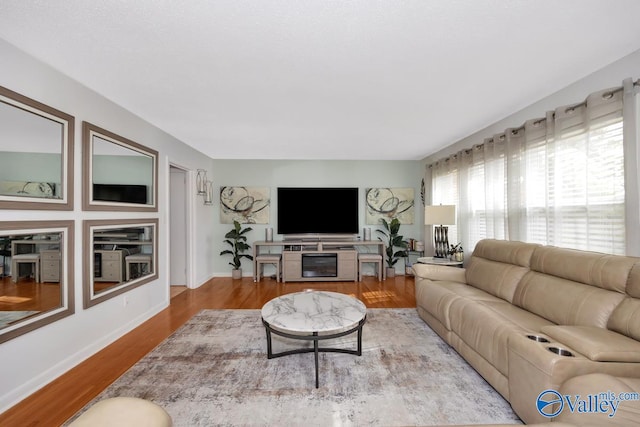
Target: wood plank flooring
x=58, y=401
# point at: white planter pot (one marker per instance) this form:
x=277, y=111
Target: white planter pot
x=391, y=272
x=236, y=274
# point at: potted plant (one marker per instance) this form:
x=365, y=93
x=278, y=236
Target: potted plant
x=238, y=241
x=392, y=240
x=455, y=252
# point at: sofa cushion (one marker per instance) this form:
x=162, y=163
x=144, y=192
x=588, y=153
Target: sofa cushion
x=565, y=302
x=525, y=320
x=497, y=266
x=494, y=277
x=625, y=319
x=487, y=325
x=436, y=297
x=601, y=270
x=633, y=283
x=505, y=251
x=484, y=330
x=597, y=344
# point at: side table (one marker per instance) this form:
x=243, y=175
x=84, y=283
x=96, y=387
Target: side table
x=440, y=261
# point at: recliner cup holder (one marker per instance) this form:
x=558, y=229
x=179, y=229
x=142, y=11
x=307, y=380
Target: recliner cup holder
x=537, y=338
x=560, y=351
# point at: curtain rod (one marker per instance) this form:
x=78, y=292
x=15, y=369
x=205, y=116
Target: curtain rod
x=514, y=131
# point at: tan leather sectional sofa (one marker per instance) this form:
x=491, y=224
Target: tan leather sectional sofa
x=583, y=305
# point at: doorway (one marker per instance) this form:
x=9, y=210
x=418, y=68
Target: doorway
x=178, y=230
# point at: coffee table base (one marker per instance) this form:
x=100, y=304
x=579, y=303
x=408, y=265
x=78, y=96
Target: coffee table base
x=315, y=338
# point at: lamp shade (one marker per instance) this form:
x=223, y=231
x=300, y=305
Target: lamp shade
x=440, y=215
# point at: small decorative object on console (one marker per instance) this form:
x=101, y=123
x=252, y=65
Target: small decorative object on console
x=456, y=253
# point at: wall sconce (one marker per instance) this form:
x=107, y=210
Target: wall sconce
x=201, y=182
x=439, y=215
x=208, y=193
x=204, y=187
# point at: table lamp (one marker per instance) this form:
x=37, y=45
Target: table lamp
x=440, y=216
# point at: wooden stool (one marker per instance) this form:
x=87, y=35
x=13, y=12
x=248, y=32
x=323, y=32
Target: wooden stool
x=136, y=259
x=267, y=259
x=369, y=258
x=16, y=260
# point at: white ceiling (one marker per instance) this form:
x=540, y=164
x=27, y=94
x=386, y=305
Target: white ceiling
x=313, y=79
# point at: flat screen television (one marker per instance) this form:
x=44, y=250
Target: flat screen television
x=316, y=210
x=123, y=193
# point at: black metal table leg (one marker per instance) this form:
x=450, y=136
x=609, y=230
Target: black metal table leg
x=315, y=337
x=269, y=353
x=315, y=350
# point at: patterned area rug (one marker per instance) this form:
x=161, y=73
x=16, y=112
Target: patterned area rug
x=214, y=371
x=8, y=317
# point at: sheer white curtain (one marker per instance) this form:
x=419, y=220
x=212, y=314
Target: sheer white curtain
x=556, y=180
x=446, y=192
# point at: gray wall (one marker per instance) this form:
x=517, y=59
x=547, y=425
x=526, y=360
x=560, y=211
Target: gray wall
x=36, y=358
x=311, y=173
x=34, y=167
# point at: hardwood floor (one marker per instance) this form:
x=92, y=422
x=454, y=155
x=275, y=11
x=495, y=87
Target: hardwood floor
x=28, y=295
x=62, y=398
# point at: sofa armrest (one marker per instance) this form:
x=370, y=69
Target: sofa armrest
x=596, y=344
x=439, y=272
x=627, y=412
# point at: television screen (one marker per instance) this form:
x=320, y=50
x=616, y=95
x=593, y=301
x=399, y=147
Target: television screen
x=123, y=193
x=317, y=210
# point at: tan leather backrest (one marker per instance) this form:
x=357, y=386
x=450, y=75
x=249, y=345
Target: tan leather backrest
x=509, y=252
x=565, y=286
x=565, y=302
x=572, y=287
x=625, y=319
x=604, y=271
x=497, y=266
x=633, y=283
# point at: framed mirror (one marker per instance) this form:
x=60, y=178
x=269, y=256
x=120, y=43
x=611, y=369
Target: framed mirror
x=36, y=154
x=119, y=255
x=118, y=174
x=36, y=275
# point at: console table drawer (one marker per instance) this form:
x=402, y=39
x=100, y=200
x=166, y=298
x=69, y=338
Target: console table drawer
x=347, y=256
x=50, y=265
x=50, y=255
x=111, y=256
x=52, y=275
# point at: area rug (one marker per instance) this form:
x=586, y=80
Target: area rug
x=214, y=371
x=8, y=317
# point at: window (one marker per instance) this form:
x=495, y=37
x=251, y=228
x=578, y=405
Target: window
x=554, y=181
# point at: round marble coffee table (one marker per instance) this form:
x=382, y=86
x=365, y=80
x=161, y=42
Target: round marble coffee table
x=314, y=316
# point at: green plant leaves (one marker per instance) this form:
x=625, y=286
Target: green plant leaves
x=392, y=239
x=237, y=240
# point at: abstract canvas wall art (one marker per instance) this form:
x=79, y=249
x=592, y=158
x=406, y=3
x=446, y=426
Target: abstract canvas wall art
x=27, y=188
x=247, y=205
x=389, y=203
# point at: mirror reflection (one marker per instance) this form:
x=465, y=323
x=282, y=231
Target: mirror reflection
x=35, y=140
x=33, y=284
x=121, y=257
x=121, y=174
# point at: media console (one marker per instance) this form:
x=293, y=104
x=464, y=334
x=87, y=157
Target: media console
x=318, y=260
